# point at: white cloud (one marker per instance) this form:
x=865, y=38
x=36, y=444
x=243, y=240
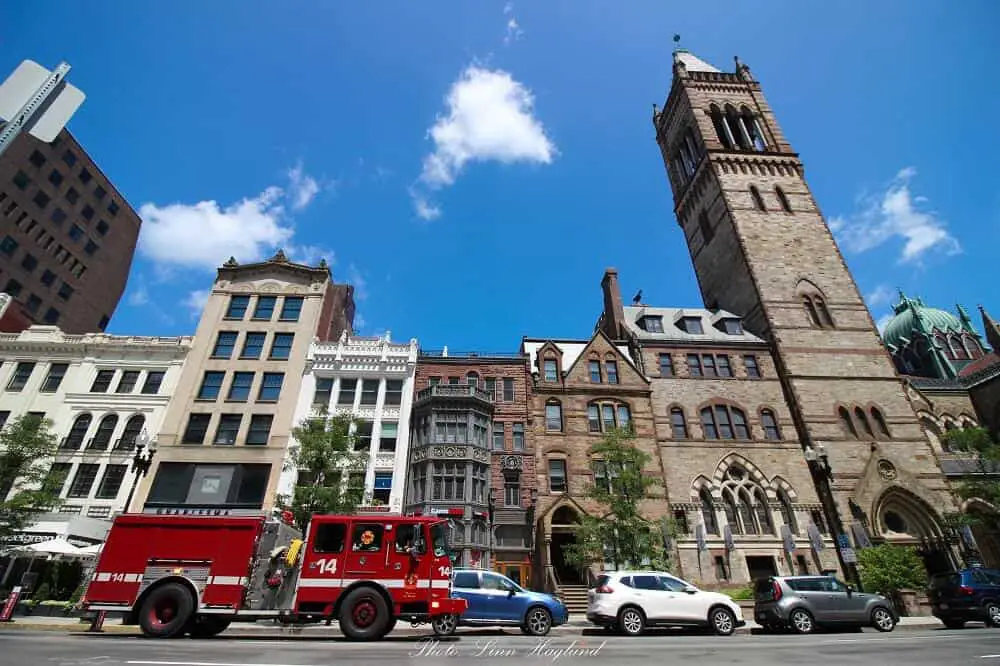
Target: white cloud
x=139, y=296
x=508, y=8
x=302, y=188
x=882, y=322
x=309, y=255
x=195, y=301
x=490, y=118
x=355, y=278
x=425, y=208
x=359, y=323
x=879, y=296
x=893, y=214
x=204, y=234
x=514, y=31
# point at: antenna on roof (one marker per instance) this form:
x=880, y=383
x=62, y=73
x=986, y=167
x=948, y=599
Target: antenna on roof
x=677, y=43
x=637, y=298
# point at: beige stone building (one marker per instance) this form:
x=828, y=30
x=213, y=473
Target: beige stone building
x=227, y=429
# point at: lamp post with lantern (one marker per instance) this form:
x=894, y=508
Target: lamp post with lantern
x=141, y=462
x=819, y=464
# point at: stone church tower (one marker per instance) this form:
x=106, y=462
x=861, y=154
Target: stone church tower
x=762, y=249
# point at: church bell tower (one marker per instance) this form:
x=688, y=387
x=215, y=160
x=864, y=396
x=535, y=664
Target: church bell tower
x=762, y=249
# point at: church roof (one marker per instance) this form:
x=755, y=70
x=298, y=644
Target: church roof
x=912, y=318
x=692, y=62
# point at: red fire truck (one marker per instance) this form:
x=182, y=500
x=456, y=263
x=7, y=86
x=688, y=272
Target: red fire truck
x=175, y=575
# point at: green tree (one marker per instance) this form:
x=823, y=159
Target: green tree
x=887, y=569
x=984, y=452
x=323, y=455
x=27, y=485
x=622, y=535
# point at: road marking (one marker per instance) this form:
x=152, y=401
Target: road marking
x=990, y=656
x=202, y=663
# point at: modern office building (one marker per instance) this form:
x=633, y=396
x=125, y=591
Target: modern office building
x=370, y=378
x=228, y=427
x=67, y=235
x=102, y=394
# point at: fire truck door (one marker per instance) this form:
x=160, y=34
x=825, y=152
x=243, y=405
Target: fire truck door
x=404, y=556
x=323, y=561
x=366, y=551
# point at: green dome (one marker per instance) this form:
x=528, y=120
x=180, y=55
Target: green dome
x=912, y=317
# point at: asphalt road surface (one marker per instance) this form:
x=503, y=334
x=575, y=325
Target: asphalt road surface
x=913, y=648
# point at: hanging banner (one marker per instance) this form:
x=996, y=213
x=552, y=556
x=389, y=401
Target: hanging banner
x=815, y=538
x=699, y=535
x=727, y=535
x=787, y=540
x=861, y=535
x=668, y=541
x=10, y=605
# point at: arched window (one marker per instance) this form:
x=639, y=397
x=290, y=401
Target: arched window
x=752, y=129
x=553, y=416
x=736, y=128
x=747, y=510
x=721, y=128
x=758, y=202
x=770, y=424
x=472, y=379
x=814, y=304
x=724, y=422
x=762, y=512
x=807, y=303
x=787, y=513
x=826, y=320
x=732, y=517
x=859, y=414
x=105, y=430
x=847, y=423
x=782, y=199
x=883, y=427
x=708, y=511
x=77, y=433
x=606, y=416
x=132, y=429
x=678, y=423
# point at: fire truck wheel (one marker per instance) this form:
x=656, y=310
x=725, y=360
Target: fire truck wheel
x=206, y=627
x=364, y=615
x=166, y=611
x=444, y=625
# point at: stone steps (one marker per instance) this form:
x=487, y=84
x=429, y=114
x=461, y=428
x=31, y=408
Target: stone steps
x=575, y=597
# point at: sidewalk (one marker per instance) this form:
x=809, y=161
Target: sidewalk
x=576, y=624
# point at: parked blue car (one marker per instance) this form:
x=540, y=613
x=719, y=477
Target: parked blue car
x=970, y=594
x=496, y=600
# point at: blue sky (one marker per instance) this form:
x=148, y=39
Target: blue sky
x=473, y=167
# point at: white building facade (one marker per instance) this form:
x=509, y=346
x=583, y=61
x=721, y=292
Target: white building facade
x=102, y=394
x=372, y=379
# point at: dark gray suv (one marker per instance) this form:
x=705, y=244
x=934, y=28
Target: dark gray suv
x=803, y=603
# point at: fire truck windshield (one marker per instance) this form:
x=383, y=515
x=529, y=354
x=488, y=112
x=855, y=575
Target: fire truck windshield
x=439, y=539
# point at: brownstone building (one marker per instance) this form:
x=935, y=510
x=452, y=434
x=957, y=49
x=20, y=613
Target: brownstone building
x=741, y=493
x=761, y=249
x=479, y=401
x=67, y=237
x=579, y=390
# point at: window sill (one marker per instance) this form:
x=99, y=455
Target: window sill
x=278, y=358
x=267, y=400
x=237, y=400
x=248, y=358
x=200, y=399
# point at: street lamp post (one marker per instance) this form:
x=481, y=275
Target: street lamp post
x=141, y=462
x=489, y=517
x=819, y=465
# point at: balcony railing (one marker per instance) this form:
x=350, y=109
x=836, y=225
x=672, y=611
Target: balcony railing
x=454, y=391
x=447, y=353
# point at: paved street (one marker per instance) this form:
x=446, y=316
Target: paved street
x=914, y=648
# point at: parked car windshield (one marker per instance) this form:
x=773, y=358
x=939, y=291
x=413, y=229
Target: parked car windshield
x=763, y=589
x=600, y=582
x=439, y=539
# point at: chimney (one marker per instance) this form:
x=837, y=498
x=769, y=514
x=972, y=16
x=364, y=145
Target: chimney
x=614, y=311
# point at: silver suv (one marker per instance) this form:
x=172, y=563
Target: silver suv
x=804, y=603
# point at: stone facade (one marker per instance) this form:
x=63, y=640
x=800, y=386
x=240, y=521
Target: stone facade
x=228, y=427
x=103, y=395
x=371, y=379
x=565, y=389
x=762, y=249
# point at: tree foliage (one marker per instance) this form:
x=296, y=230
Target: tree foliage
x=984, y=452
x=622, y=535
x=324, y=456
x=887, y=569
x=27, y=486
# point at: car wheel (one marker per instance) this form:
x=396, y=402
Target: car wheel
x=992, y=614
x=954, y=624
x=537, y=623
x=882, y=619
x=364, y=615
x=723, y=621
x=444, y=625
x=801, y=621
x=166, y=612
x=631, y=621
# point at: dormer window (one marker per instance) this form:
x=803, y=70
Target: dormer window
x=732, y=326
x=551, y=370
x=691, y=325
x=651, y=324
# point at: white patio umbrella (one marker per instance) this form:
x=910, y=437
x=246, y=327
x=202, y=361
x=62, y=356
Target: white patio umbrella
x=57, y=546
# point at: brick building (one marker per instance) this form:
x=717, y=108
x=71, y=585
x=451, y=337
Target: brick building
x=68, y=235
x=473, y=389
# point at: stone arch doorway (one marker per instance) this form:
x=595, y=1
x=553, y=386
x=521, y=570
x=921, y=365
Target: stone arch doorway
x=985, y=532
x=903, y=519
x=563, y=525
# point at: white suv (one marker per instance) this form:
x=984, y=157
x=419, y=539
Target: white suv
x=630, y=601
